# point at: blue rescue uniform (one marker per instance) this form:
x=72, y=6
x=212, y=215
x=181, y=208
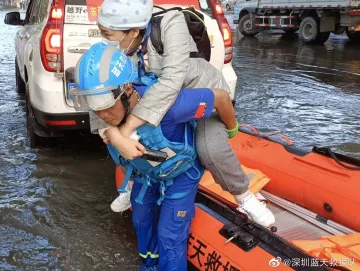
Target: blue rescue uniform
x=163, y=194
x=162, y=231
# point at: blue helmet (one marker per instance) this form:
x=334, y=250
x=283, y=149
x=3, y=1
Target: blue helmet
x=100, y=77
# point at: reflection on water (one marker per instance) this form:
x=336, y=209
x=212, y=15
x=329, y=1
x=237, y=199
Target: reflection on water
x=54, y=202
x=309, y=92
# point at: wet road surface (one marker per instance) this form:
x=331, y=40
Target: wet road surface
x=54, y=202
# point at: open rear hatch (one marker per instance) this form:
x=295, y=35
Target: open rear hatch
x=80, y=32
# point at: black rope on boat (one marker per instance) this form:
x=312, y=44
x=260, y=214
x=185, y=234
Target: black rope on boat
x=328, y=152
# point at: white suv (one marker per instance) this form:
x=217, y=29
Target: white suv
x=51, y=39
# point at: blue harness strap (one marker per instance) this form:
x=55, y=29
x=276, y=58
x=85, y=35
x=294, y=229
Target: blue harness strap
x=146, y=183
x=162, y=193
x=181, y=163
x=114, y=154
x=127, y=177
x=165, y=172
x=178, y=195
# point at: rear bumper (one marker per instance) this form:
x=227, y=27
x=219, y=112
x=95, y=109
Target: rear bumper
x=66, y=121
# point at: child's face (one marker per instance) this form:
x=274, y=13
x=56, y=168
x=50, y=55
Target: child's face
x=127, y=40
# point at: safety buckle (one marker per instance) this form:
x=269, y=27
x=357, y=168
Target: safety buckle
x=170, y=171
x=238, y=236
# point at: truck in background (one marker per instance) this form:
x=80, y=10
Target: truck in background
x=314, y=19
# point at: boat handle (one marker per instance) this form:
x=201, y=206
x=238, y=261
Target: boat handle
x=288, y=140
x=256, y=132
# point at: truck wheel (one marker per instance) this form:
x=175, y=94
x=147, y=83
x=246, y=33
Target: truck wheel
x=34, y=139
x=309, y=29
x=353, y=36
x=228, y=7
x=20, y=84
x=245, y=26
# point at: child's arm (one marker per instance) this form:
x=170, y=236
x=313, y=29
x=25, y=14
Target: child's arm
x=224, y=107
x=124, y=144
x=193, y=104
x=103, y=136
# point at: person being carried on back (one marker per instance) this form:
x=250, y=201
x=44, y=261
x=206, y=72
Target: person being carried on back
x=129, y=26
x=164, y=189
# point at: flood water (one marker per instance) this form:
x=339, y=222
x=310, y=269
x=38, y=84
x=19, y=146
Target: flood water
x=311, y=93
x=54, y=201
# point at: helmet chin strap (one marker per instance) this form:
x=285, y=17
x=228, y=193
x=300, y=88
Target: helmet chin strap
x=126, y=104
x=125, y=100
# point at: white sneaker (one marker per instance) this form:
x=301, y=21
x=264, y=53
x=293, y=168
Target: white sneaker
x=256, y=210
x=121, y=203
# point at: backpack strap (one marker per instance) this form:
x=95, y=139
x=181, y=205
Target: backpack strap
x=197, y=55
x=155, y=35
x=163, y=10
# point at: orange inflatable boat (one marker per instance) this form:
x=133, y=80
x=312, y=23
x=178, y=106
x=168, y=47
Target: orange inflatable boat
x=314, y=195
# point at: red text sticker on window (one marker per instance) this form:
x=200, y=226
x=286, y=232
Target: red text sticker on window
x=93, y=7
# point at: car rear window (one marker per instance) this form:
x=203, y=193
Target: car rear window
x=205, y=6
x=86, y=11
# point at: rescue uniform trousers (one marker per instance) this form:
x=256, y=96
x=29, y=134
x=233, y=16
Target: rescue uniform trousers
x=162, y=231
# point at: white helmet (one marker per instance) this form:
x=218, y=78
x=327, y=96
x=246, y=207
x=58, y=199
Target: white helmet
x=125, y=14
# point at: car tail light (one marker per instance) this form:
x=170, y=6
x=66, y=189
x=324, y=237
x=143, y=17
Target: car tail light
x=354, y=13
x=56, y=13
x=227, y=36
x=52, y=38
x=218, y=9
x=224, y=28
